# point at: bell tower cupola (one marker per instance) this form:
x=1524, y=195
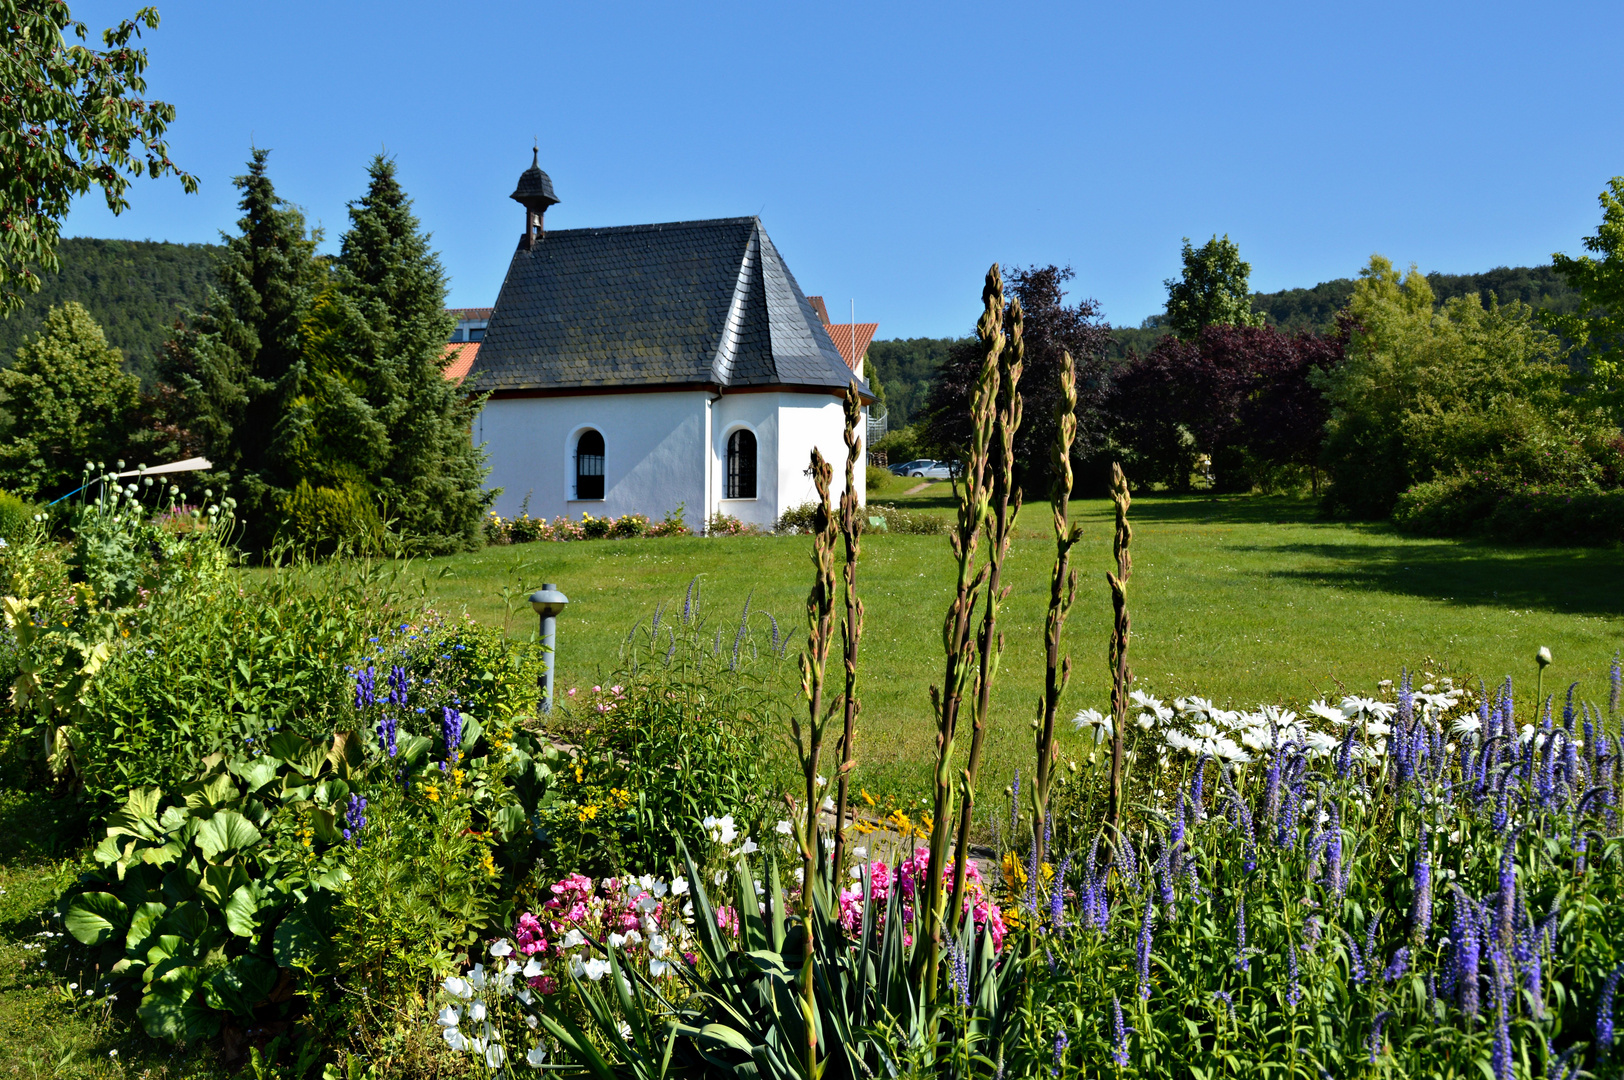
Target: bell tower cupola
x=535, y=194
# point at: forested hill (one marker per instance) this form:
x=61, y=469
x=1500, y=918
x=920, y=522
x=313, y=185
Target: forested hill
x=134, y=288
x=905, y=366
x=1316, y=308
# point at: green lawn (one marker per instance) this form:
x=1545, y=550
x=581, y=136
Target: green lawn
x=1243, y=600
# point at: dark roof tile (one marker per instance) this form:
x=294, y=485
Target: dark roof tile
x=684, y=302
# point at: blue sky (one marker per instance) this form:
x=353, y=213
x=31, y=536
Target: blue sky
x=895, y=150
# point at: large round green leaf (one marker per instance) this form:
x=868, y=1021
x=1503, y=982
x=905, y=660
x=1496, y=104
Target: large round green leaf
x=299, y=939
x=172, y=1009
x=93, y=917
x=225, y=831
x=241, y=910
x=240, y=985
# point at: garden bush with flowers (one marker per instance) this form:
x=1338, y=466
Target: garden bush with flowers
x=398, y=863
x=1423, y=882
x=525, y=529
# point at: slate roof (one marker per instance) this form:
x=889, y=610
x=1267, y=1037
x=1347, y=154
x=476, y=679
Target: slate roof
x=687, y=302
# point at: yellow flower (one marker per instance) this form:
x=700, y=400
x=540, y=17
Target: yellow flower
x=431, y=792
x=488, y=864
x=587, y=812
x=866, y=796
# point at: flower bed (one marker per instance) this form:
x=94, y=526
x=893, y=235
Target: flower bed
x=525, y=529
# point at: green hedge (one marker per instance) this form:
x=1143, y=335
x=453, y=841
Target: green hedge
x=1483, y=505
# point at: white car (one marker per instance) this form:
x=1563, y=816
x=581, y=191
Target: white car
x=927, y=469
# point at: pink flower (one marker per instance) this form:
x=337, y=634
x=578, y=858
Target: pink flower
x=727, y=919
x=529, y=936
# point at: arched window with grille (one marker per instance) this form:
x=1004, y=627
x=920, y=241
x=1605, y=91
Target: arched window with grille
x=589, y=465
x=741, y=465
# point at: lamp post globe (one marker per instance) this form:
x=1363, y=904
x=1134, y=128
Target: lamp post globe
x=548, y=602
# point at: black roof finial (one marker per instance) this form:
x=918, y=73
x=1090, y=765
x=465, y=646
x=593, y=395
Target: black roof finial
x=535, y=190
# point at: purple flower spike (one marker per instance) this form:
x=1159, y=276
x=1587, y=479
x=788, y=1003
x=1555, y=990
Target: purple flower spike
x=1142, y=949
x=451, y=729
x=1421, y=906
x=1119, y=1049
x=1242, y=963
x=1604, y=1009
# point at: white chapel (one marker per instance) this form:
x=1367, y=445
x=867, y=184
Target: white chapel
x=639, y=367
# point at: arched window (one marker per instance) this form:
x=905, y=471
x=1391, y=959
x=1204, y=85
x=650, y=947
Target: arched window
x=741, y=465
x=589, y=465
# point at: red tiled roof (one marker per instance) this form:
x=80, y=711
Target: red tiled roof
x=852, y=339
x=462, y=355
x=470, y=312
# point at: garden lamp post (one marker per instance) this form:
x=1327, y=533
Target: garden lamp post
x=548, y=602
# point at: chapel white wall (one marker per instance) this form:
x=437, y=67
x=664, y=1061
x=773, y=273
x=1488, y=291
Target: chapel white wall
x=805, y=421
x=663, y=449
x=654, y=453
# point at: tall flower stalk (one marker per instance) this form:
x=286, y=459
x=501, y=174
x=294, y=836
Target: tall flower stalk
x=973, y=498
x=851, y=531
x=1005, y=507
x=1121, y=675
x=809, y=741
x=1062, y=585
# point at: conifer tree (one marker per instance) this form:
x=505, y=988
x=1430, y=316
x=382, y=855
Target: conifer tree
x=432, y=478
x=239, y=366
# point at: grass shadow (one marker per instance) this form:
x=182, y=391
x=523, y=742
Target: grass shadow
x=1578, y=581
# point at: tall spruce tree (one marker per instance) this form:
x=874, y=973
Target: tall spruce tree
x=432, y=478
x=239, y=366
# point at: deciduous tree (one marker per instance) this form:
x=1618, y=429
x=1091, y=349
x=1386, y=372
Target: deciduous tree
x=71, y=118
x=70, y=401
x=1214, y=290
x=1597, y=327
x=1051, y=328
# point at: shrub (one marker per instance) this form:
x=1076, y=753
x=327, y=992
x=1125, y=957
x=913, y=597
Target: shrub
x=796, y=519
x=683, y=734
x=327, y=520
x=374, y=857
x=1424, y=394
x=15, y=517
x=721, y=524
x=525, y=529
x=898, y=520
x=628, y=526
x=672, y=524
x=1499, y=508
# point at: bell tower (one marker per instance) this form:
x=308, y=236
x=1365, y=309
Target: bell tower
x=535, y=194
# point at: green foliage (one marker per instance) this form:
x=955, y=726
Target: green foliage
x=326, y=520
x=1212, y=291
x=16, y=516
x=682, y=735
x=69, y=401
x=203, y=899
x=1598, y=326
x=1425, y=394
x=69, y=606
x=1504, y=508
x=432, y=476
x=301, y=373
x=239, y=362
x=902, y=444
x=907, y=367
x=135, y=289
x=76, y=120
